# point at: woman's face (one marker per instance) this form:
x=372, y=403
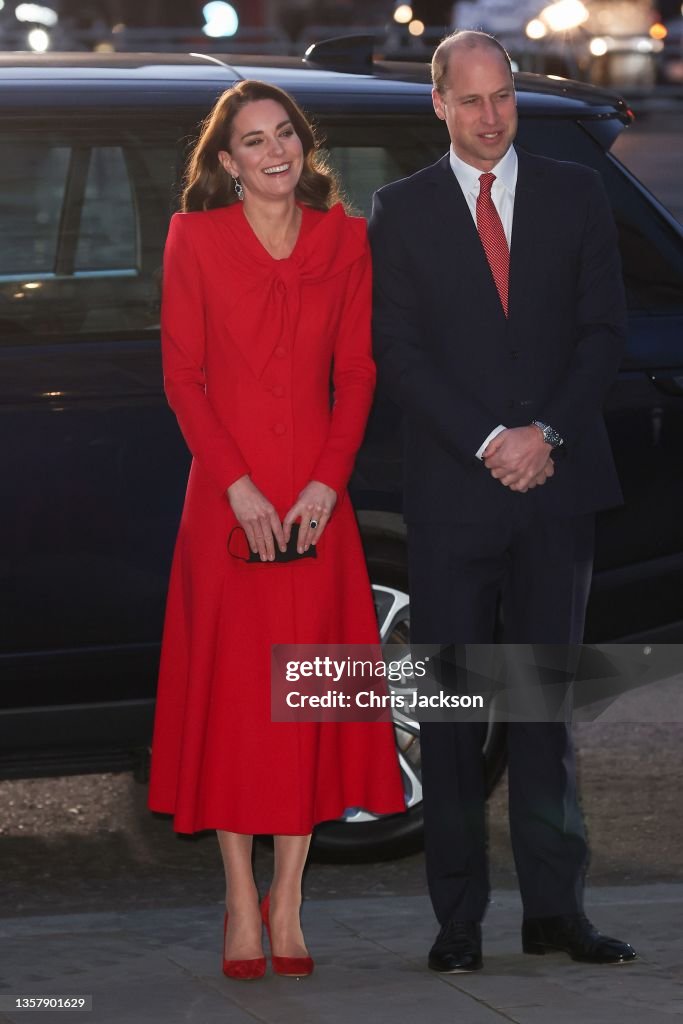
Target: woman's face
x=265, y=152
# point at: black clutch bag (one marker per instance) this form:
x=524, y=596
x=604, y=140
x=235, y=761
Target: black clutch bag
x=289, y=555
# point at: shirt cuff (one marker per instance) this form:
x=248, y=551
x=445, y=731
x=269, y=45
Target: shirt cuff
x=494, y=433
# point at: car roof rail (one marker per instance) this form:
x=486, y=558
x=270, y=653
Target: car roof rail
x=346, y=53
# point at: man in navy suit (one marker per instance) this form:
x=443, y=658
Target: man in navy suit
x=499, y=323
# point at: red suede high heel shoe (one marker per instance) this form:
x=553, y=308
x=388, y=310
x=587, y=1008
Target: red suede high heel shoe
x=289, y=966
x=243, y=970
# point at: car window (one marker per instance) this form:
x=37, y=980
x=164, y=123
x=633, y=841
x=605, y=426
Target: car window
x=83, y=218
x=106, y=233
x=651, y=251
x=367, y=154
x=83, y=214
x=33, y=176
x=362, y=170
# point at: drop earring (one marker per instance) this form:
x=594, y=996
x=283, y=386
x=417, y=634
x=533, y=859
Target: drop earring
x=239, y=190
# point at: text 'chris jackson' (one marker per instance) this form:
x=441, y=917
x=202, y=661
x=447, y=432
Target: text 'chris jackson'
x=409, y=701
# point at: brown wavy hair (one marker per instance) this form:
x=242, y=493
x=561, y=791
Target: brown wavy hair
x=208, y=185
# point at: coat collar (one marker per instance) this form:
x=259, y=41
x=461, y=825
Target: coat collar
x=268, y=291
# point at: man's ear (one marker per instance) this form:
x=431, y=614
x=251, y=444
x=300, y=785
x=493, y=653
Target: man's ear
x=438, y=104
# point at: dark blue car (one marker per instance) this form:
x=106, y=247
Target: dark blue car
x=94, y=466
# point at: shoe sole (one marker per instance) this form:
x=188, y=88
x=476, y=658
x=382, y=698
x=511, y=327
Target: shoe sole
x=578, y=959
x=455, y=970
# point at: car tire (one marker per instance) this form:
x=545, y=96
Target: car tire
x=360, y=836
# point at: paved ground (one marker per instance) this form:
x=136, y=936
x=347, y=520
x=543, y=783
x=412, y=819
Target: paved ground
x=163, y=966
x=99, y=898
x=88, y=842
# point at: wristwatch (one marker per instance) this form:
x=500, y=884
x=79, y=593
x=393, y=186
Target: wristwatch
x=550, y=436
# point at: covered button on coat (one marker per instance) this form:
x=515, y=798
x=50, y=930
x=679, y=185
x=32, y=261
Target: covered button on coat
x=249, y=347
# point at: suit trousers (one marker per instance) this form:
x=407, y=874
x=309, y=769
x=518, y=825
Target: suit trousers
x=539, y=572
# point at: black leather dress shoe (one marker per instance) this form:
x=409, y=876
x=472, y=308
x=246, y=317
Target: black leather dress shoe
x=574, y=934
x=457, y=948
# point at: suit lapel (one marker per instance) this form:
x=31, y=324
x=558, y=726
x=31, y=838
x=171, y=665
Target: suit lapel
x=528, y=216
x=460, y=244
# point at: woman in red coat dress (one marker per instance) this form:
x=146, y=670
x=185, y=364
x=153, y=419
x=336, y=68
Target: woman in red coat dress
x=266, y=294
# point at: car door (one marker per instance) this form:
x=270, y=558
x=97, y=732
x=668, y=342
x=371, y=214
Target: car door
x=639, y=550
x=93, y=462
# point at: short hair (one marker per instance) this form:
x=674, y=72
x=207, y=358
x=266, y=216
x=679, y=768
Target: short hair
x=470, y=39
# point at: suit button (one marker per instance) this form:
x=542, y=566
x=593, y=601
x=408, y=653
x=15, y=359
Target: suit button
x=279, y=429
x=280, y=351
x=278, y=391
x=514, y=354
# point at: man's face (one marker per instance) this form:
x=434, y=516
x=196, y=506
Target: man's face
x=478, y=106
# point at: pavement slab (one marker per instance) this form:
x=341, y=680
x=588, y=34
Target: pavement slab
x=154, y=966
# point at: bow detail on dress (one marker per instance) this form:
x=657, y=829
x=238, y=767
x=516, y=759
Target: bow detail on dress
x=268, y=290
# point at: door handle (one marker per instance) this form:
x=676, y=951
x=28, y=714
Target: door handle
x=668, y=383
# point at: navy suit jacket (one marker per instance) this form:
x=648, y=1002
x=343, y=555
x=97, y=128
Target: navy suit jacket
x=457, y=367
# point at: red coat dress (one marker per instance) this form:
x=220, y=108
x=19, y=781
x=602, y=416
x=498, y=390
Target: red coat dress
x=248, y=345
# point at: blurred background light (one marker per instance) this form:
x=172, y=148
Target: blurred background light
x=536, y=29
x=564, y=15
x=416, y=27
x=39, y=40
x=598, y=47
x=36, y=14
x=221, y=19
x=658, y=31
x=403, y=14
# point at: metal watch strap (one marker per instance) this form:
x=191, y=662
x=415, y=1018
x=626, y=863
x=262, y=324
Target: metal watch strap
x=550, y=436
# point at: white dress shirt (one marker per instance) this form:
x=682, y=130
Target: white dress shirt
x=503, y=195
x=502, y=191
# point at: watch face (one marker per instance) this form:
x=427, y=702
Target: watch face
x=550, y=436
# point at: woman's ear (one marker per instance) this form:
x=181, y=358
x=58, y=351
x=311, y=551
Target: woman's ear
x=227, y=163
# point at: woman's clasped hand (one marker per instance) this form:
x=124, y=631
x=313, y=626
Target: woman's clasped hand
x=259, y=520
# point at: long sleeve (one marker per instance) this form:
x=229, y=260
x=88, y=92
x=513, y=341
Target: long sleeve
x=183, y=347
x=353, y=380
x=455, y=418
x=600, y=323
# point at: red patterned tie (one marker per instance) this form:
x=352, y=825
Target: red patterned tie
x=493, y=238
